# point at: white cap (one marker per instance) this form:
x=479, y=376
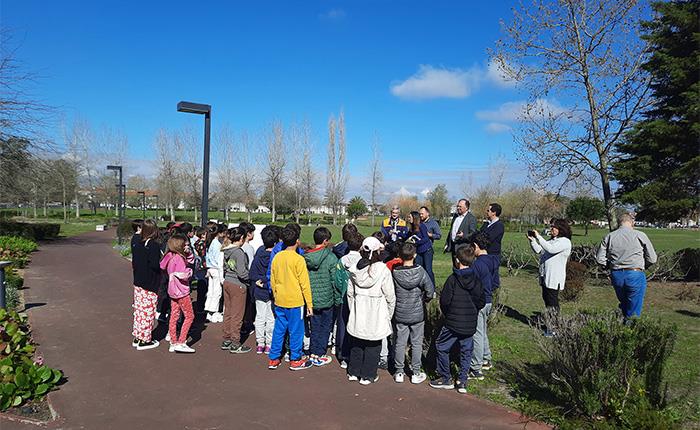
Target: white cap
x=371, y=244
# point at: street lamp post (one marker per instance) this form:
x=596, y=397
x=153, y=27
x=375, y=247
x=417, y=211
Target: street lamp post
x=118, y=169
x=205, y=110
x=143, y=202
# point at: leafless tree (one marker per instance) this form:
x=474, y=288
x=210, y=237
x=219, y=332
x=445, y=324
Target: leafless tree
x=336, y=176
x=226, y=169
x=190, y=172
x=588, y=53
x=80, y=149
x=275, y=163
x=303, y=181
x=375, y=176
x=168, y=180
x=247, y=176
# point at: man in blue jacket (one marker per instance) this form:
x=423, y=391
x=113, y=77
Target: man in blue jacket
x=394, y=228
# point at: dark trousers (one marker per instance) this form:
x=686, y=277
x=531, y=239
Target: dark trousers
x=321, y=326
x=364, y=357
x=249, y=316
x=342, y=341
x=443, y=344
x=550, y=297
x=163, y=304
x=425, y=260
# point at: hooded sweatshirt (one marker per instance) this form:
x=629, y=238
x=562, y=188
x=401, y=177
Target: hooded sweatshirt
x=178, y=275
x=235, y=264
x=321, y=264
x=258, y=272
x=371, y=301
x=461, y=299
x=413, y=288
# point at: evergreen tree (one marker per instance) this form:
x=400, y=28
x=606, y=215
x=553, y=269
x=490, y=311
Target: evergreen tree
x=660, y=165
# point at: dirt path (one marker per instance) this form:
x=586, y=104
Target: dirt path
x=79, y=302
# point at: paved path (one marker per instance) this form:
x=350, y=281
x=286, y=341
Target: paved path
x=79, y=298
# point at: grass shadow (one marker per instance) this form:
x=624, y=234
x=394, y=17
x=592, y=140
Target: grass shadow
x=688, y=313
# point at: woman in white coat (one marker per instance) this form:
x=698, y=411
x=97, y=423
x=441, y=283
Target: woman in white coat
x=554, y=254
x=371, y=301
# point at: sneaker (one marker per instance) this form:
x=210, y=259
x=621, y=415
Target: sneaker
x=267, y=350
x=171, y=348
x=352, y=378
x=383, y=365
x=135, y=342
x=476, y=374
x=333, y=350
x=226, y=345
x=441, y=384
x=286, y=357
x=461, y=387
x=273, y=364
x=343, y=364
x=321, y=360
x=300, y=364
x=142, y=346
x=167, y=337
x=238, y=348
x=182, y=347
x=398, y=377
x=487, y=365
x=210, y=317
x=219, y=317
x=259, y=349
x=418, y=378
x=367, y=381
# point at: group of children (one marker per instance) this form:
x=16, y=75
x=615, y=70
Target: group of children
x=356, y=298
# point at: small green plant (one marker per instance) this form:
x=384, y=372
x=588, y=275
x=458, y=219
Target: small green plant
x=22, y=376
x=16, y=250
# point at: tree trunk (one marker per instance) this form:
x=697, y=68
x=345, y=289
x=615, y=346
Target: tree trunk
x=372, y=216
x=274, y=211
x=607, y=194
x=249, y=215
x=586, y=229
x=65, y=202
x=45, y=208
x=195, y=215
x=172, y=212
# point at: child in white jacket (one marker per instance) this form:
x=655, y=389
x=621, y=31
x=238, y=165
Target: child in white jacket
x=215, y=274
x=371, y=301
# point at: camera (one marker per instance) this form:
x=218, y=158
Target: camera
x=531, y=233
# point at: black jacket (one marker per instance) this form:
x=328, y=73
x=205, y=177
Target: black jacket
x=495, y=233
x=145, y=262
x=413, y=287
x=461, y=300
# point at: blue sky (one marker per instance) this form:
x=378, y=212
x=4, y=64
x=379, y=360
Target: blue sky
x=415, y=73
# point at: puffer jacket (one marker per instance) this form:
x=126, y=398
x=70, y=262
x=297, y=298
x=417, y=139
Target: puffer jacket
x=413, y=287
x=321, y=264
x=178, y=275
x=461, y=299
x=371, y=301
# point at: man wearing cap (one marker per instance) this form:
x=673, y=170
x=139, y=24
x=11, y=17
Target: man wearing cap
x=626, y=252
x=394, y=228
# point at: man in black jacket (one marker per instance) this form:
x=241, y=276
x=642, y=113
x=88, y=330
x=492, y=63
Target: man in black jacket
x=460, y=301
x=495, y=230
x=463, y=225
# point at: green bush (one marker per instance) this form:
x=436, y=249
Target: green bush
x=13, y=282
x=601, y=367
x=576, y=275
x=690, y=263
x=32, y=231
x=124, y=229
x=16, y=249
x=22, y=378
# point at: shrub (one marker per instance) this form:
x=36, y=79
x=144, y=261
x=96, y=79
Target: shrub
x=21, y=377
x=124, y=229
x=515, y=259
x=602, y=367
x=13, y=283
x=576, y=274
x=16, y=249
x=690, y=263
x=32, y=231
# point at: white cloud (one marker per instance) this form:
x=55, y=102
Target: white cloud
x=519, y=110
x=333, y=14
x=431, y=82
x=497, y=127
x=403, y=192
x=425, y=192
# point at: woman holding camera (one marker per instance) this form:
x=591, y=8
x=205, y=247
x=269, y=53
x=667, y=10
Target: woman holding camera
x=554, y=254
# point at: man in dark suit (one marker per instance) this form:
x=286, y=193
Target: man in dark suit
x=494, y=229
x=462, y=227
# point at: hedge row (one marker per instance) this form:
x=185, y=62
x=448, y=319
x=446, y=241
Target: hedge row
x=33, y=231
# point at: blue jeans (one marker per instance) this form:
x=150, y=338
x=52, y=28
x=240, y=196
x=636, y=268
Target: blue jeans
x=426, y=261
x=630, y=286
x=288, y=320
x=321, y=325
x=445, y=339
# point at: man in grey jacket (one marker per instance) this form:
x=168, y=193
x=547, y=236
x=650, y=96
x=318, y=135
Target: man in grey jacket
x=463, y=225
x=627, y=252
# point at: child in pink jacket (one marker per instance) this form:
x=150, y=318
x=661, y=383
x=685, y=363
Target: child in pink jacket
x=175, y=264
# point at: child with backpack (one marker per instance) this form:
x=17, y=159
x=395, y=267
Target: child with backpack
x=413, y=289
x=235, y=290
x=342, y=278
x=174, y=263
x=371, y=301
x=321, y=264
x=460, y=301
x=260, y=284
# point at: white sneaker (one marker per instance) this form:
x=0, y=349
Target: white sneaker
x=418, y=378
x=210, y=317
x=167, y=337
x=343, y=364
x=219, y=317
x=171, y=348
x=398, y=377
x=352, y=378
x=184, y=348
x=367, y=381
